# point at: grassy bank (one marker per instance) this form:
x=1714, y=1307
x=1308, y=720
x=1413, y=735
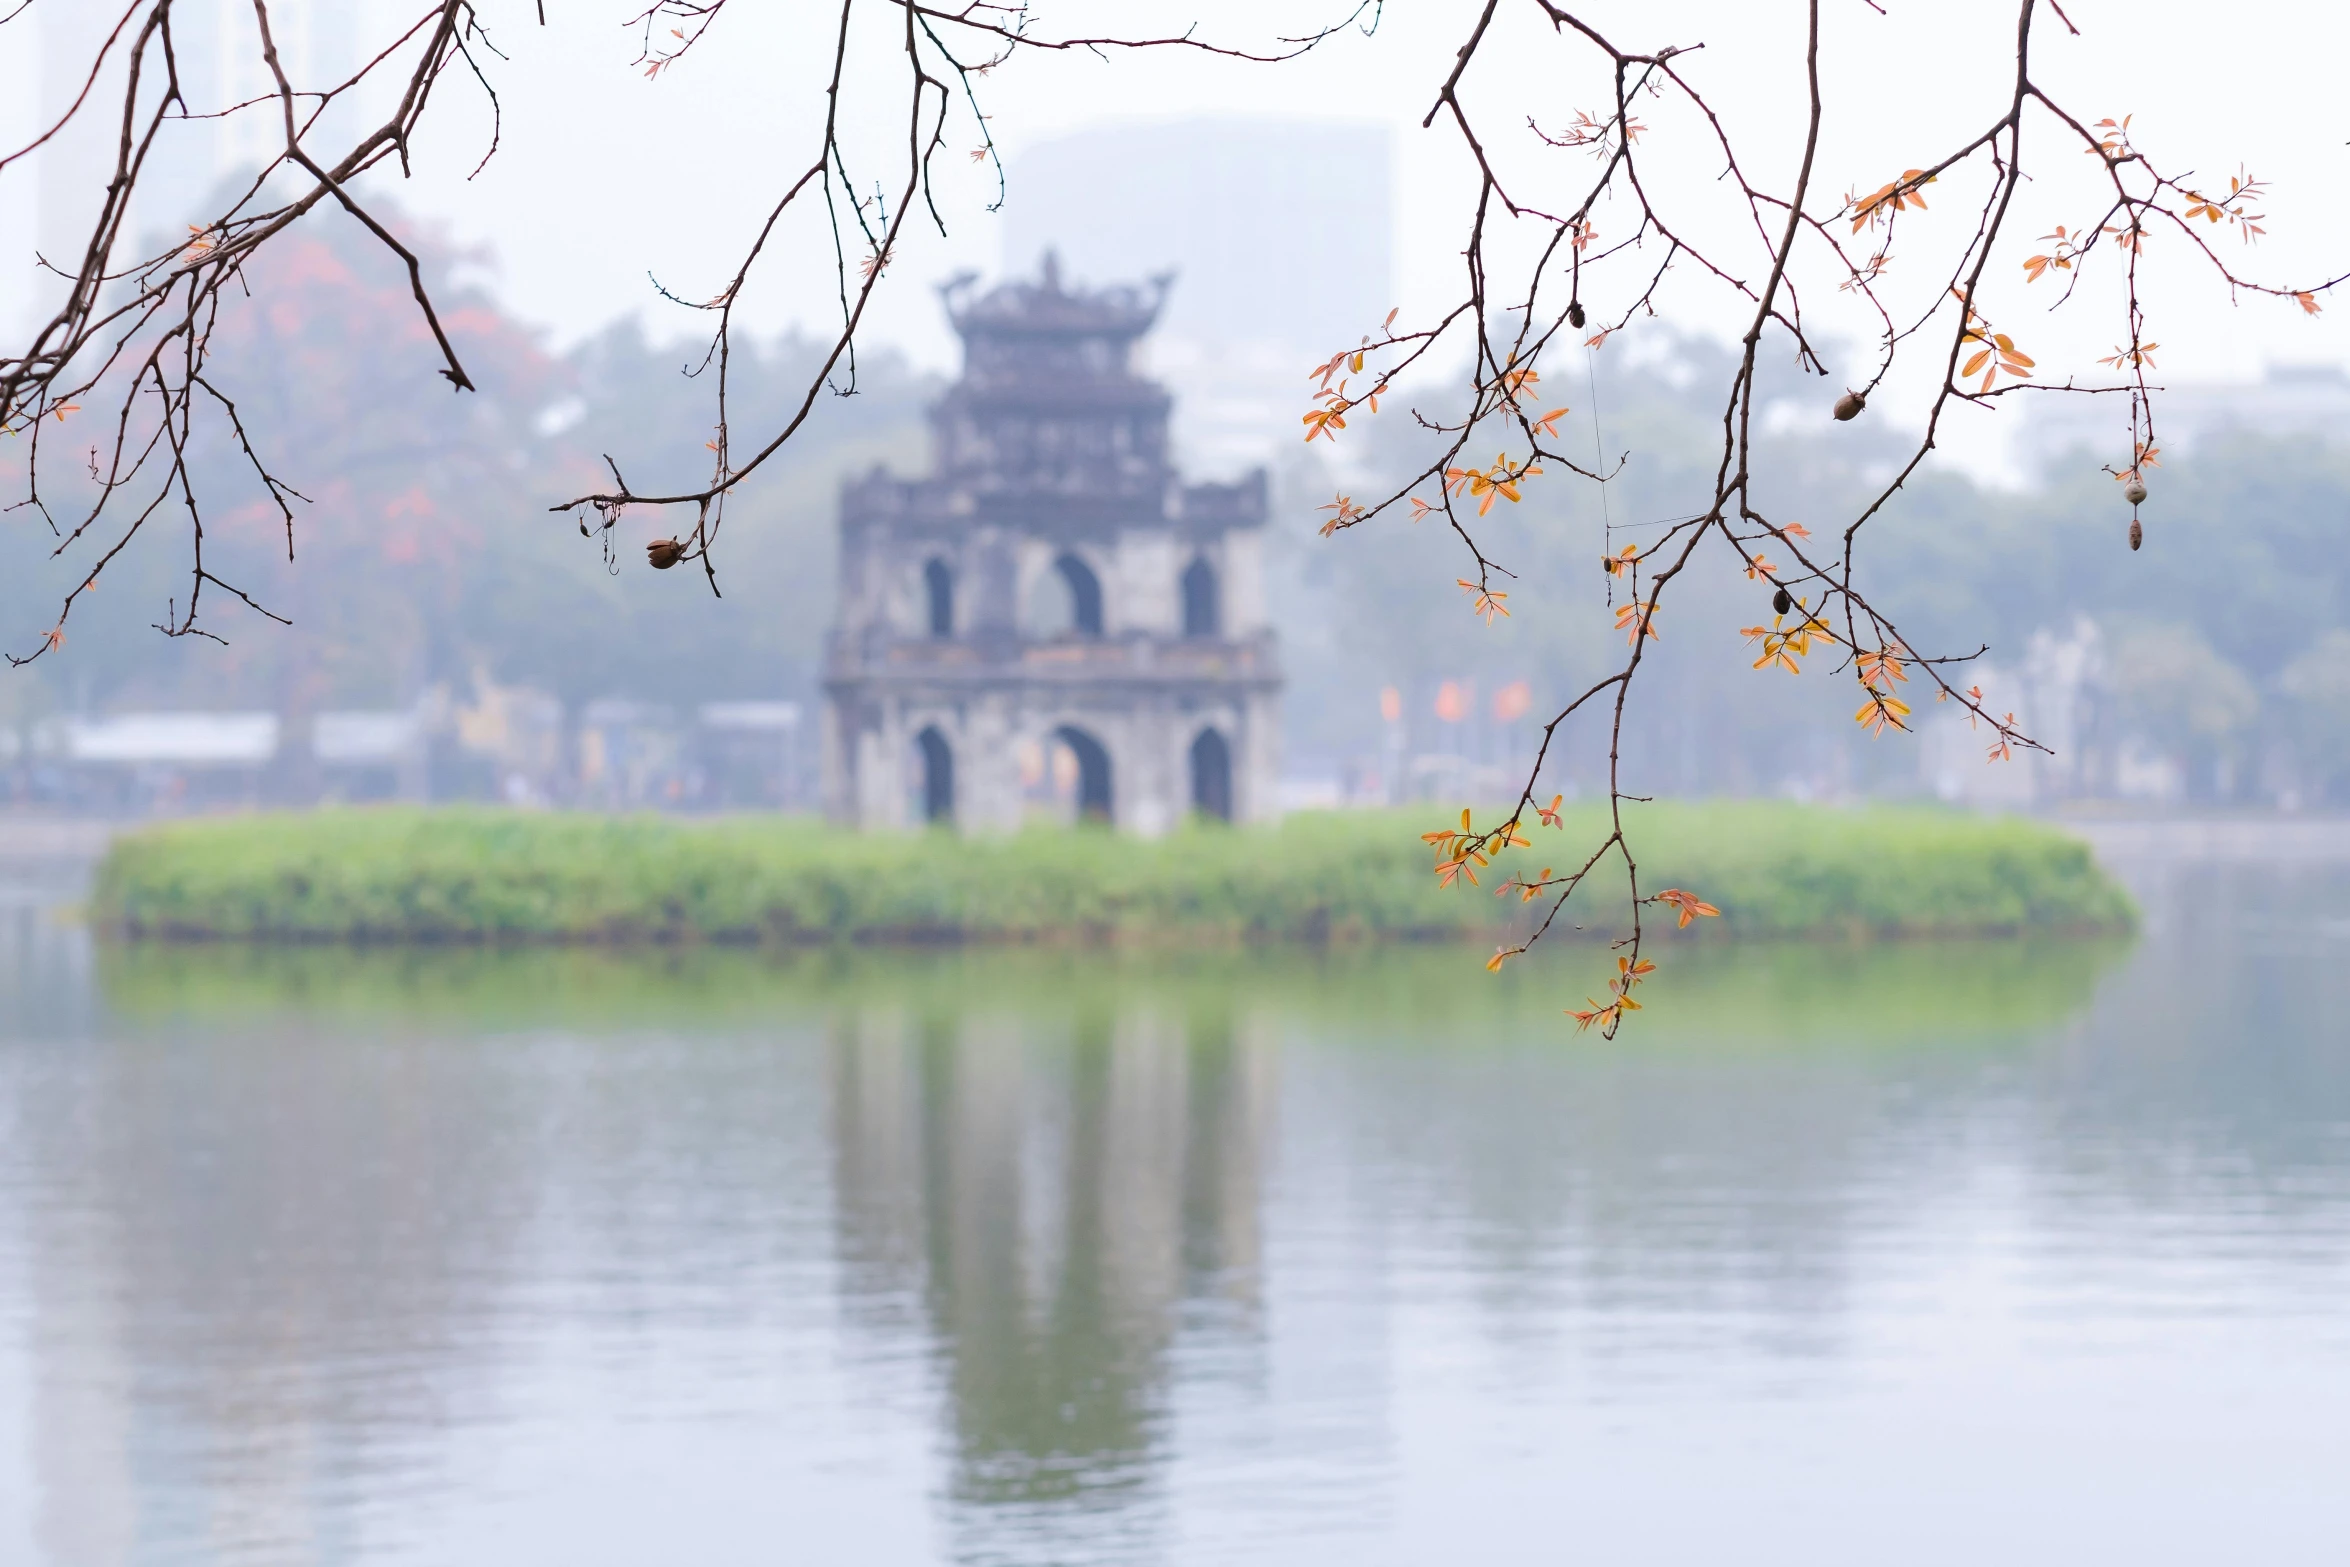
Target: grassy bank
x=1775, y=870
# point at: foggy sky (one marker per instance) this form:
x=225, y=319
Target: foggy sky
x=605, y=180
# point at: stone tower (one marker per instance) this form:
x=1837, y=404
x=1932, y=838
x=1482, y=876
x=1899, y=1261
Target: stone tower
x=1052, y=595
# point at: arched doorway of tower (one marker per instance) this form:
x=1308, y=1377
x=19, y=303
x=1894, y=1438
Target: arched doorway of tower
x=1211, y=776
x=1085, y=595
x=1202, y=615
x=1080, y=754
x=938, y=776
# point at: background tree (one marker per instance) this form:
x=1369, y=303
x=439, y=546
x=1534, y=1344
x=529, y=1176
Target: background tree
x=2317, y=684
x=426, y=555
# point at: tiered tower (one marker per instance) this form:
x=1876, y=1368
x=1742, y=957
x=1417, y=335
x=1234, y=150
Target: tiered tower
x=1053, y=585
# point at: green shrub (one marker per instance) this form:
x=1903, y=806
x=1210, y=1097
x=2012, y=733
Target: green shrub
x=462, y=875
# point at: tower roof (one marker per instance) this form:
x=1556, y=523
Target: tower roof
x=1049, y=308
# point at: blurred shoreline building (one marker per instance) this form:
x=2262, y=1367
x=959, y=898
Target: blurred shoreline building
x=1053, y=620
x=511, y=744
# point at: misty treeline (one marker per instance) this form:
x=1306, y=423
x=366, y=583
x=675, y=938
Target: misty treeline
x=426, y=561
x=2211, y=667
x=424, y=558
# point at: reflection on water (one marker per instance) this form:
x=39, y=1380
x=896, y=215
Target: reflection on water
x=1052, y=1191
x=1928, y=1253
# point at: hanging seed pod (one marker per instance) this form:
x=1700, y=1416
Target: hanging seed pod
x=1848, y=407
x=2137, y=534
x=664, y=553
x=1607, y=563
x=2135, y=492
x=1781, y=602
x=1575, y=314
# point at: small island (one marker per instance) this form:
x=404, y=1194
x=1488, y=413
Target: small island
x=485, y=875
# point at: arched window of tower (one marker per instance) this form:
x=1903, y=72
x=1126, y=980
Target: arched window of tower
x=1202, y=613
x=1085, y=595
x=938, y=586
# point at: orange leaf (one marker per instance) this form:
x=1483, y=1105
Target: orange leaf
x=1688, y=905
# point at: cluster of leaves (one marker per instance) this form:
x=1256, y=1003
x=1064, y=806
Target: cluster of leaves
x=1462, y=851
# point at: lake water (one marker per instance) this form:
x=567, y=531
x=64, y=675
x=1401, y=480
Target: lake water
x=1922, y=1254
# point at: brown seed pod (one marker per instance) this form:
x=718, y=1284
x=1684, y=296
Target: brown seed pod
x=2137, y=534
x=2135, y=492
x=1848, y=406
x=664, y=553
x=1575, y=314
x=1781, y=602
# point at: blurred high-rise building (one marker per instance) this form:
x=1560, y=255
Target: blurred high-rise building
x=1279, y=234
x=216, y=50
